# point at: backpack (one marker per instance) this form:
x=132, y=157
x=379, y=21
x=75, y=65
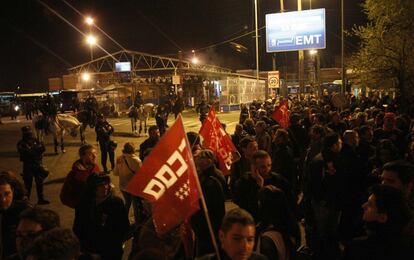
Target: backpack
x=71, y=191
x=278, y=241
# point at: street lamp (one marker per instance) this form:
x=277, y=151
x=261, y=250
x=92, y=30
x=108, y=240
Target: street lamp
x=89, y=20
x=91, y=40
x=86, y=76
x=313, y=52
x=194, y=60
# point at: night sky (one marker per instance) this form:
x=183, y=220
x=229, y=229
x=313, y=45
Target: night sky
x=36, y=44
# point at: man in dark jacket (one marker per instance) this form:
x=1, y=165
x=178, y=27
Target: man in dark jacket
x=212, y=183
x=325, y=192
x=33, y=222
x=10, y=209
x=248, y=186
x=101, y=220
x=104, y=130
x=150, y=142
x=31, y=154
x=237, y=237
x=202, y=109
x=386, y=214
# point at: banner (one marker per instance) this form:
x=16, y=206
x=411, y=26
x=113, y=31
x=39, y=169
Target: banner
x=282, y=115
x=216, y=139
x=167, y=179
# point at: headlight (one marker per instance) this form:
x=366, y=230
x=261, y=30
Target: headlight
x=16, y=108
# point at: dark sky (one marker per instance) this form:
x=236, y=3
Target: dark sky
x=36, y=44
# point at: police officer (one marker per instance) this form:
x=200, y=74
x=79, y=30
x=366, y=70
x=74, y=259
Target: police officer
x=49, y=111
x=104, y=130
x=31, y=154
x=203, y=109
x=138, y=99
x=91, y=105
x=28, y=110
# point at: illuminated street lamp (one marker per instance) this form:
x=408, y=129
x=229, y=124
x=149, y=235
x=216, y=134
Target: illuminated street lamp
x=313, y=52
x=89, y=20
x=194, y=60
x=86, y=76
x=91, y=40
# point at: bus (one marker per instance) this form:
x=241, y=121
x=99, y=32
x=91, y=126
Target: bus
x=6, y=98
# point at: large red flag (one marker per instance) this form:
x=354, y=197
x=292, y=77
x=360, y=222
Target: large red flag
x=216, y=139
x=282, y=115
x=167, y=179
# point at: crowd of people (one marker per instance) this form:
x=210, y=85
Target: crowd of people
x=335, y=184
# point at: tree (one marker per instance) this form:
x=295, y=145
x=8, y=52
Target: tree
x=386, y=51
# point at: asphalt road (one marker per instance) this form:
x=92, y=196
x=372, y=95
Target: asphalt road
x=60, y=165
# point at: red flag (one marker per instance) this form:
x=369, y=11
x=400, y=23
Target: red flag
x=216, y=139
x=167, y=179
x=282, y=115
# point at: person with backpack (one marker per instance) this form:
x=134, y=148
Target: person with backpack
x=277, y=230
x=75, y=181
x=127, y=165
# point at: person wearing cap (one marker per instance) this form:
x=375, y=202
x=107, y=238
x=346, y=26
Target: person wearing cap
x=31, y=154
x=104, y=130
x=127, y=165
x=391, y=132
x=101, y=220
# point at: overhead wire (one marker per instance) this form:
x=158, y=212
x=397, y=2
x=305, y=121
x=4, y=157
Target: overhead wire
x=73, y=26
x=94, y=24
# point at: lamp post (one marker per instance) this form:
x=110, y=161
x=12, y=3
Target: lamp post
x=343, y=78
x=257, y=43
x=301, y=60
x=91, y=40
x=315, y=66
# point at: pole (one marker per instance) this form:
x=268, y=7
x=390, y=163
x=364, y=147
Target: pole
x=203, y=204
x=257, y=43
x=91, y=51
x=282, y=88
x=301, y=60
x=342, y=48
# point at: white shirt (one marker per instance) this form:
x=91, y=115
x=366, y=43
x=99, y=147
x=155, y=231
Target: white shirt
x=124, y=172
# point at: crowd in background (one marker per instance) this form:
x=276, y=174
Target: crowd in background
x=344, y=175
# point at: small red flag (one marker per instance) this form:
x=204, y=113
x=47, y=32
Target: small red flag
x=216, y=139
x=167, y=179
x=282, y=115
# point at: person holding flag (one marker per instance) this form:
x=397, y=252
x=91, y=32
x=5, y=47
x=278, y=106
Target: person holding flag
x=216, y=139
x=282, y=115
x=170, y=182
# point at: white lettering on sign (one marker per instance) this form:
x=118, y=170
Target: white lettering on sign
x=308, y=39
x=165, y=176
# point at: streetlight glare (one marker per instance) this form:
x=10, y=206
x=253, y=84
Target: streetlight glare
x=91, y=40
x=313, y=52
x=86, y=76
x=194, y=60
x=89, y=20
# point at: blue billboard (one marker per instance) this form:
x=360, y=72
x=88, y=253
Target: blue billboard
x=293, y=31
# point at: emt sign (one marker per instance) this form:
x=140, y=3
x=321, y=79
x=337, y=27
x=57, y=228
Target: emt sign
x=293, y=31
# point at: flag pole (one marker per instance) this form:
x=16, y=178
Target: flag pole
x=204, y=205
